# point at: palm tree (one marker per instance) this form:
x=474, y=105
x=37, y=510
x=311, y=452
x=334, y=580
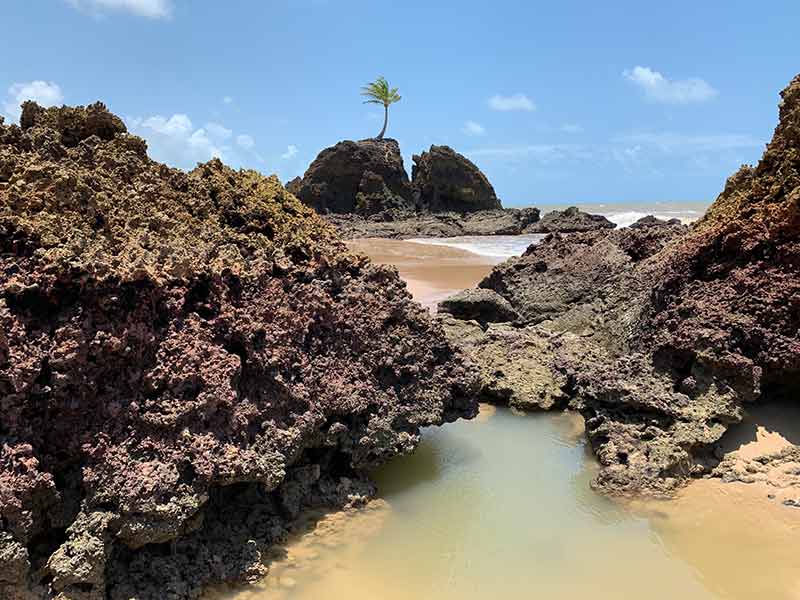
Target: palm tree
x=379, y=92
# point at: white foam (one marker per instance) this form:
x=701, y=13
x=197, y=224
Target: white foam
x=501, y=247
x=496, y=247
x=628, y=218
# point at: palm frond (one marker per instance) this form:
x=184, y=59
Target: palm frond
x=379, y=92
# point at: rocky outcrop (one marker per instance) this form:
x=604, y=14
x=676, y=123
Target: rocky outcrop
x=565, y=274
x=681, y=332
x=484, y=306
x=565, y=295
x=364, y=177
x=517, y=366
x=447, y=181
x=404, y=225
x=571, y=220
x=651, y=221
x=186, y=361
x=362, y=188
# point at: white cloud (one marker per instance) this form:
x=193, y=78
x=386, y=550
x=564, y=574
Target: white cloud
x=291, y=152
x=245, y=141
x=636, y=153
x=669, y=142
x=473, y=128
x=218, y=131
x=46, y=93
x=514, y=102
x=544, y=153
x=152, y=9
x=175, y=140
x=571, y=128
x=227, y=100
x=658, y=88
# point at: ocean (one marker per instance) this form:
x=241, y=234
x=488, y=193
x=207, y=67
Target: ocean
x=498, y=248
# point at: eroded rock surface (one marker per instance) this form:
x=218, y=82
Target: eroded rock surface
x=447, y=181
x=186, y=361
x=666, y=337
x=364, y=177
x=482, y=305
x=404, y=225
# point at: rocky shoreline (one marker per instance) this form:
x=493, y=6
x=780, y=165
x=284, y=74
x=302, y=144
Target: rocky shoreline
x=186, y=361
x=660, y=336
x=189, y=360
x=363, y=190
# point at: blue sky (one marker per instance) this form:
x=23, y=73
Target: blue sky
x=556, y=101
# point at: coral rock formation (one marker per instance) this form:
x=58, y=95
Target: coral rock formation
x=665, y=338
x=186, y=360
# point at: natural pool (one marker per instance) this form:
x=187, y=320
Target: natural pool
x=501, y=507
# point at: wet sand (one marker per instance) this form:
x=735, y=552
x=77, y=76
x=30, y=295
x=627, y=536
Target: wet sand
x=502, y=506
x=432, y=273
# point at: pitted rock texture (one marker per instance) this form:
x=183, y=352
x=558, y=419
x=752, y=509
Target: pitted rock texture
x=666, y=338
x=566, y=274
x=570, y=220
x=404, y=224
x=482, y=305
x=186, y=360
x=364, y=177
x=448, y=181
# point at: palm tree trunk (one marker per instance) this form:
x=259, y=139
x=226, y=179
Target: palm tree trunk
x=385, y=121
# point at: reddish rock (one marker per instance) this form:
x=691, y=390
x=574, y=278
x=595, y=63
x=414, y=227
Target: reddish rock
x=186, y=360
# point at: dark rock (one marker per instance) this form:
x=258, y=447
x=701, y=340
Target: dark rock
x=485, y=306
x=651, y=221
x=680, y=332
x=448, y=181
x=507, y=221
x=570, y=220
x=364, y=177
x=293, y=186
x=186, y=361
x=404, y=225
x=566, y=274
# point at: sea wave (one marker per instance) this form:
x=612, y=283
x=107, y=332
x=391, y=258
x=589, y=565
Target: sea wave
x=628, y=218
x=496, y=247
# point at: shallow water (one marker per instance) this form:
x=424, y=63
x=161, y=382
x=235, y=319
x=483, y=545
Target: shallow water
x=501, y=507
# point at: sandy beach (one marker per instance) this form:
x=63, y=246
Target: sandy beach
x=432, y=272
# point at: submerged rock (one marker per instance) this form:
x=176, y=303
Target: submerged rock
x=665, y=337
x=570, y=220
x=186, y=361
x=364, y=177
x=448, y=181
